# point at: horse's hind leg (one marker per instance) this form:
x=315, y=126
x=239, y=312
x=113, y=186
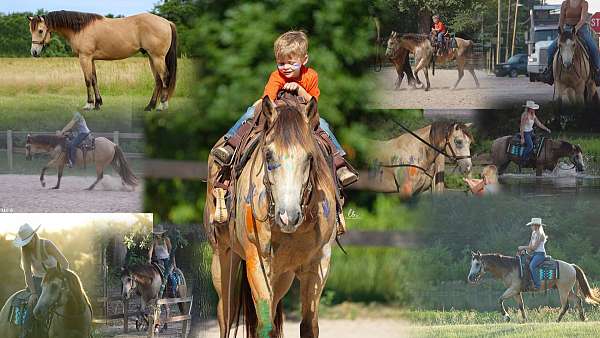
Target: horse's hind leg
x=157, y=86
x=472, y=71
x=578, y=303
x=87, y=68
x=161, y=70
x=564, y=303
x=96, y=89
x=42, y=181
x=60, y=172
x=99, y=176
x=519, y=300
x=224, y=268
x=461, y=73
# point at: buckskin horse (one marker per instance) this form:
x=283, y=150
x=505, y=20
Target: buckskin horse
x=63, y=302
x=415, y=161
x=573, y=81
x=283, y=226
x=93, y=37
x=104, y=153
x=146, y=281
x=420, y=46
x=572, y=284
x=551, y=152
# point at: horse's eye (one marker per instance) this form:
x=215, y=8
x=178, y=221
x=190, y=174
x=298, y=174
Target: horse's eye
x=269, y=155
x=41, y=31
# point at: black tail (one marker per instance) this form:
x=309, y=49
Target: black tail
x=171, y=61
x=433, y=65
x=120, y=164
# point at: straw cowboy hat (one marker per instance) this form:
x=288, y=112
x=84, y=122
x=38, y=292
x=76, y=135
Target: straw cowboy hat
x=536, y=220
x=25, y=235
x=531, y=104
x=158, y=229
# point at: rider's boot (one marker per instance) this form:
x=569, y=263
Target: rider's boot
x=547, y=76
x=341, y=223
x=223, y=157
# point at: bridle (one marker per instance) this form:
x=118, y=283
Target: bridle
x=479, y=275
x=42, y=42
x=53, y=308
x=133, y=282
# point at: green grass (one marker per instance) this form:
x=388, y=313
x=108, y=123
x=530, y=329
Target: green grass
x=533, y=330
x=42, y=94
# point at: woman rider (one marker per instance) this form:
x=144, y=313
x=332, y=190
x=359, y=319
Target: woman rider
x=80, y=131
x=536, y=248
x=528, y=119
x=37, y=255
x=574, y=14
x=160, y=251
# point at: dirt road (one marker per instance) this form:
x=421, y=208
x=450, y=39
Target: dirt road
x=495, y=92
x=346, y=328
x=24, y=193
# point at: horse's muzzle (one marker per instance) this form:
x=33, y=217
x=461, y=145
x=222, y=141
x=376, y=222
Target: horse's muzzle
x=289, y=220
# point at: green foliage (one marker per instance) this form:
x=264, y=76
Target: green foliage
x=15, y=38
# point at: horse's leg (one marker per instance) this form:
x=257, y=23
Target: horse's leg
x=400, y=73
x=509, y=293
x=472, y=71
x=539, y=169
x=86, y=63
x=564, y=302
x=519, y=300
x=157, y=86
x=261, y=290
x=461, y=72
x=96, y=89
x=99, y=176
x=312, y=280
x=421, y=65
x=161, y=70
x=223, y=269
x=578, y=302
x=60, y=172
x=42, y=181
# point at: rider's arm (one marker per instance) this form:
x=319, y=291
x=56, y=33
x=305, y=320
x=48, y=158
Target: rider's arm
x=26, y=261
x=541, y=125
x=68, y=126
x=563, y=14
x=534, y=243
x=583, y=18
x=169, y=247
x=53, y=251
x=150, y=251
x=521, y=128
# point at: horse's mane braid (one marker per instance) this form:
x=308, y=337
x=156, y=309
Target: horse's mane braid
x=75, y=21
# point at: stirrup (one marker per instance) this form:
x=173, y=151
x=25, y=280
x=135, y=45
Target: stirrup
x=223, y=154
x=221, y=215
x=340, y=228
x=346, y=176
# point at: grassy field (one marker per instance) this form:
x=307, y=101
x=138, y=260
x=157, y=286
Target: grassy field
x=43, y=93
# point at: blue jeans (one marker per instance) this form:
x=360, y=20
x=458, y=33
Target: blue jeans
x=440, y=37
x=73, y=146
x=536, y=259
x=528, y=136
x=585, y=33
x=250, y=113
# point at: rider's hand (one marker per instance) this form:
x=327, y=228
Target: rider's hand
x=549, y=132
x=291, y=86
x=522, y=139
x=33, y=300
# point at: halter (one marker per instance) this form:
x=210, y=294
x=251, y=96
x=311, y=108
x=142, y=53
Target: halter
x=42, y=42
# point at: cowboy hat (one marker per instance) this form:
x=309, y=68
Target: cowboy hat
x=531, y=104
x=536, y=220
x=158, y=229
x=24, y=235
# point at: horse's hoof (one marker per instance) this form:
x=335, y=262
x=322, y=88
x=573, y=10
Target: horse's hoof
x=426, y=89
x=507, y=318
x=88, y=106
x=54, y=188
x=43, y=184
x=148, y=108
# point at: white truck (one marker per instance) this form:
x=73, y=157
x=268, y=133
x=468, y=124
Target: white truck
x=543, y=29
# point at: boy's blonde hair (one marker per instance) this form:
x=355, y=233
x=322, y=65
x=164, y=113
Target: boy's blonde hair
x=291, y=44
x=491, y=173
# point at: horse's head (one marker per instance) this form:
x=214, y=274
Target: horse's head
x=40, y=34
x=455, y=139
x=290, y=157
x=477, y=268
x=393, y=44
x=128, y=283
x=567, y=44
x=576, y=157
x=55, y=290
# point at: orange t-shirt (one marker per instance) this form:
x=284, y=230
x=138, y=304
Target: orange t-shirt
x=309, y=80
x=439, y=26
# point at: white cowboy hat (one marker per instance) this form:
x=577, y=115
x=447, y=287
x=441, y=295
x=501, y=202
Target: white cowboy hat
x=536, y=220
x=25, y=235
x=158, y=229
x=531, y=104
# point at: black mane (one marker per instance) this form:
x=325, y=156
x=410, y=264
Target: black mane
x=75, y=21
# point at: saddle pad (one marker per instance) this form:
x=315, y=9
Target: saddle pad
x=515, y=147
x=88, y=143
x=18, y=308
x=548, y=270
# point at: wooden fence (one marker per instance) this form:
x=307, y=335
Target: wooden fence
x=185, y=318
x=11, y=135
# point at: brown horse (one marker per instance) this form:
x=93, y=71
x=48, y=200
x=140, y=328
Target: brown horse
x=283, y=227
x=401, y=62
x=408, y=166
x=572, y=283
x=93, y=37
x=573, y=82
x=552, y=151
x=104, y=153
x=420, y=46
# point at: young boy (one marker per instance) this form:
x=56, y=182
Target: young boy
x=291, y=55
x=439, y=30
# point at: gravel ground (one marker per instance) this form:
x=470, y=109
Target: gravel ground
x=24, y=193
x=495, y=92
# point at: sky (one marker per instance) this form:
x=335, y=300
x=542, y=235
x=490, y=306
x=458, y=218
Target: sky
x=594, y=5
x=51, y=222
x=125, y=7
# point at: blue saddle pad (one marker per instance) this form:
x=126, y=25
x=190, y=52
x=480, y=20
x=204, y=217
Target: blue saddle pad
x=515, y=147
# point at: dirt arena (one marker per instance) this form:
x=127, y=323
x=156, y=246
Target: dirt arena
x=495, y=92
x=24, y=193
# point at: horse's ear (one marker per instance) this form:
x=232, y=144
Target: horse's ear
x=478, y=253
x=472, y=253
x=469, y=125
x=269, y=110
x=30, y=18
x=312, y=113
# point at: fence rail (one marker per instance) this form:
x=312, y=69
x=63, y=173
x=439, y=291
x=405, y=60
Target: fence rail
x=115, y=137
